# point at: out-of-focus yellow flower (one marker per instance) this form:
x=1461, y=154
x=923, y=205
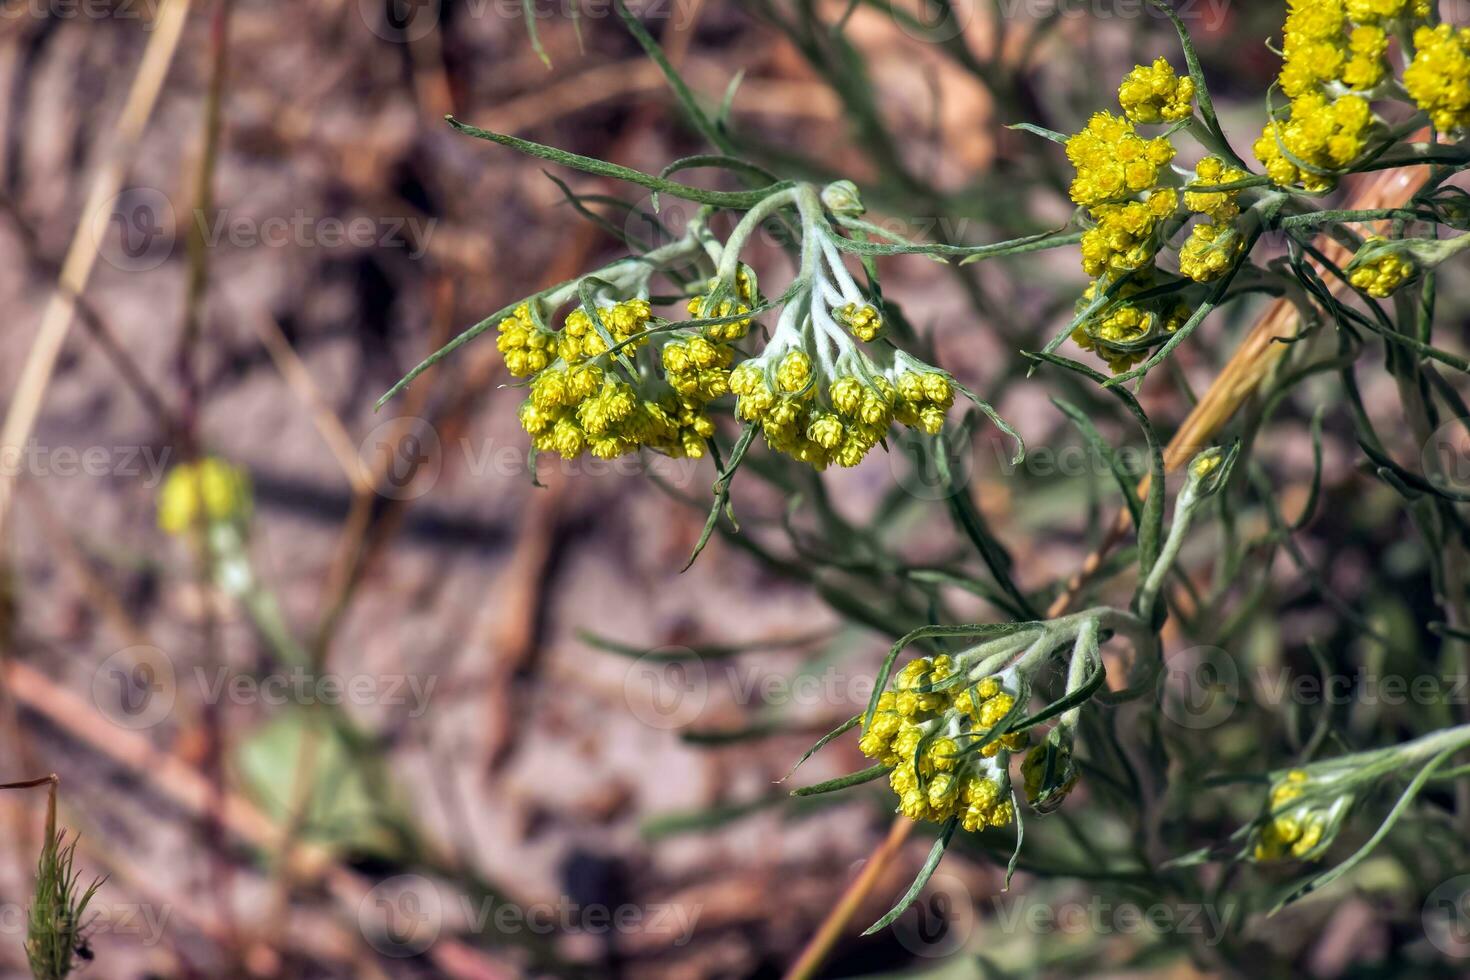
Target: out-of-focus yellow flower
x=1155, y=94
x=208, y=491
x=1438, y=80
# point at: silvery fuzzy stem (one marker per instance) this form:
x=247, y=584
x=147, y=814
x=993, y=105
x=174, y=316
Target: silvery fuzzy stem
x=730, y=259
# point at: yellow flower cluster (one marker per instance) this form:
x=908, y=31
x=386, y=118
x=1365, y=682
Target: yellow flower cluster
x=917, y=732
x=1126, y=236
x=1155, y=94
x=1325, y=134
x=581, y=340
x=1382, y=275
x=1377, y=11
x=584, y=409
x=1113, y=162
x=1297, y=831
x=1329, y=46
x=1213, y=245
x=210, y=490
x=841, y=424
x=1438, y=80
x=923, y=401
x=1218, y=206
x=526, y=347
x=1121, y=332
x=1210, y=251
x=702, y=307
x=697, y=369
x=862, y=320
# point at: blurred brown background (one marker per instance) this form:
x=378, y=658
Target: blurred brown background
x=346, y=232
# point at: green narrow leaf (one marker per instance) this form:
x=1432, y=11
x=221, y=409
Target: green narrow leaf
x=841, y=729
x=842, y=782
x=936, y=853
x=601, y=168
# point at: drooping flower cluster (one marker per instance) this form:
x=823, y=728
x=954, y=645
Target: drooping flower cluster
x=597, y=396
x=1438, y=80
x=1299, y=830
x=1380, y=272
x=1123, y=330
x=822, y=418
x=926, y=730
x=617, y=378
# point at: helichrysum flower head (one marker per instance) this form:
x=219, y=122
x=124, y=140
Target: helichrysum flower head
x=1304, y=815
x=1378, y=11
x=719, y=303
x=209, y=491
x=1210, y=251
x=1049, y=771
x=1113, y=162
x=1155, y=94
x=1123, y=331
x=1438, y=80
x=1218, y=206
x=921, y=730
x=1126, y=236
x=1327, y=135
x=862, y=319
x=1380, y=271
x=583, y=337
x=526, y=346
